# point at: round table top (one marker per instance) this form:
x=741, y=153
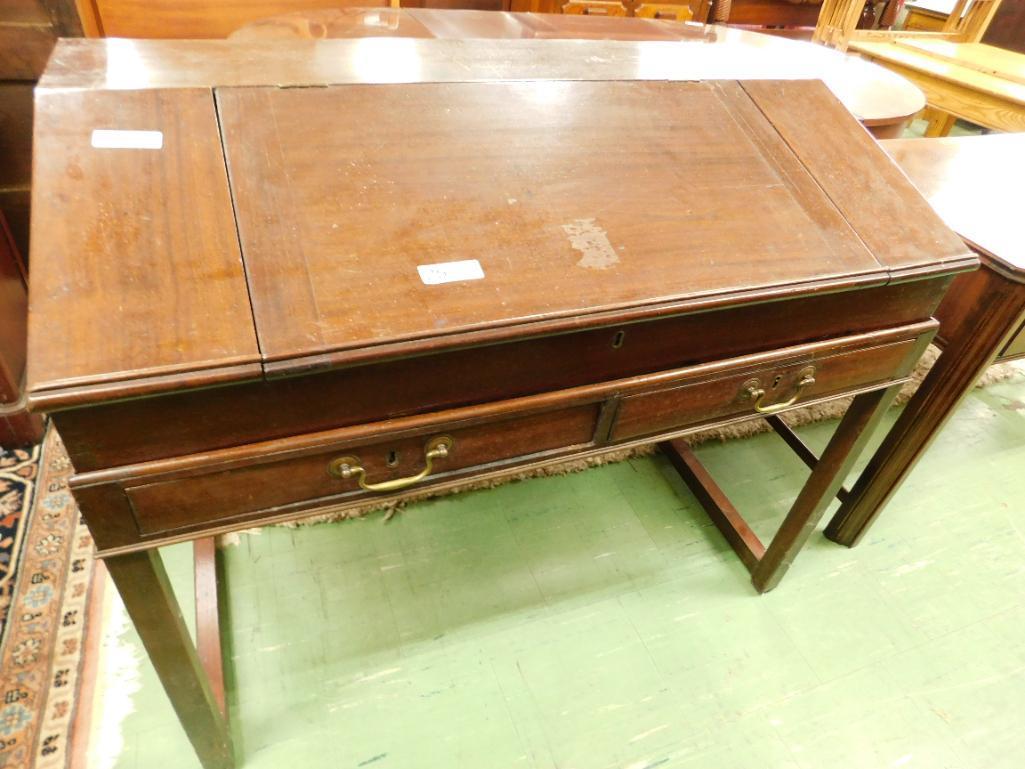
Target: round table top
x=873, y=94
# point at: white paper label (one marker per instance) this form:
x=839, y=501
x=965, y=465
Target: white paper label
x=109, y=139
x=450, y=272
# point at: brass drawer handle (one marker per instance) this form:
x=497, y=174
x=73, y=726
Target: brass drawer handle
x=348, y=467
x=754, y=390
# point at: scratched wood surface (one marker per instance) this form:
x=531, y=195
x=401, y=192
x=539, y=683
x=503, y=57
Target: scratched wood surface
x=139, y=271
x=541, y=189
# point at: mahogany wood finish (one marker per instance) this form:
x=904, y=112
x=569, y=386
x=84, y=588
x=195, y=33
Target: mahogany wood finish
x=133, y=310
x=1007, y=30
x=975, y=184
x=677, y=405
x=252, y=332
x=208, y=625
x=123, y=430
x=825, y=481
x=149, y=600
x=28, y=31
x=768, y=565
x=17, y=426
x=306, y=245
x=766, y=13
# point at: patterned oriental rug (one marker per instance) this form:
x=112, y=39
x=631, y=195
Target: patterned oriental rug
x=46, y=567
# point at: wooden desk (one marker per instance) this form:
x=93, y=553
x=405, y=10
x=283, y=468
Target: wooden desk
x=508, y=253
x=975, y=183
x=974, y=81
x=882, y=101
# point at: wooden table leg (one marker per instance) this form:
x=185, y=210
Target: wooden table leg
x=940, y=122
x=18, y=427
x=724, y=515
x=768, y=564
x=825, y=480
x=208, y=624
x=142, y=582
x=987, y=312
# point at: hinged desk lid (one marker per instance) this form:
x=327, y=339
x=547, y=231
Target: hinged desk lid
x=380, y=216
x=510, y=188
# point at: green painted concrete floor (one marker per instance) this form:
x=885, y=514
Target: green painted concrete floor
x=598, y=620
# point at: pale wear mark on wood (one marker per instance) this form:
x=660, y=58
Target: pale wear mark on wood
x=592, y=242
x=117, y=680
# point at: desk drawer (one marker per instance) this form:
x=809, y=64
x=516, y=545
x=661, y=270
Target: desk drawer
x=287, y=476
x=787, y=383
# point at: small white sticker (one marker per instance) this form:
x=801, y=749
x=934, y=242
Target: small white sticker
x=109, y=139
x=450, y=272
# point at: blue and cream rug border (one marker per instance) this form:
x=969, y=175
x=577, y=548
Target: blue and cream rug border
x=46, y=575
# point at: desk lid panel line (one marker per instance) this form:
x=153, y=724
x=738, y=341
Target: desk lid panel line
x=137, y=270
x=574, y=198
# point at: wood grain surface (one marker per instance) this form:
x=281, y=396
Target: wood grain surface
x=137, y=268
x=335, y=228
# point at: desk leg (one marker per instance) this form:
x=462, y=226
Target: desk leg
x=982, y=313
x=208, y=625
x=142, y=582
x=825, y=481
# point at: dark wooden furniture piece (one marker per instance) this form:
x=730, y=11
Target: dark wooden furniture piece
x=206, y=19
x=1007, y=30
x=18, y=427
x=629, y=9
x=882, y=101
x=255, y=328
x=28, y=31
x=975, y=183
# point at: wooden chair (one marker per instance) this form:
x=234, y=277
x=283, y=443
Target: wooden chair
x=595, y=8
x=664, y=11
x=966, y=23
x=838, y=19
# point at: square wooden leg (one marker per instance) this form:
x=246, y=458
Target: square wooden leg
x=142, y=582
x=986, y=312
x=208, y=624
x=768, y=564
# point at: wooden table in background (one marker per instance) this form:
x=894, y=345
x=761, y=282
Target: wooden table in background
x=882, y=101
x=980, y=83
x=977, y=184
